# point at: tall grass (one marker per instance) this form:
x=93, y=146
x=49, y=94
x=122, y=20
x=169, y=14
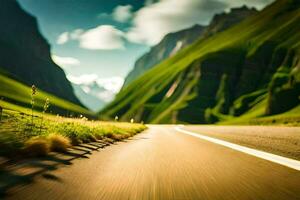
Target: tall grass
x=33, y=92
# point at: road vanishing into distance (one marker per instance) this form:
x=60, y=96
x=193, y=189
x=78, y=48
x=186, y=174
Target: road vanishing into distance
x=163, y=163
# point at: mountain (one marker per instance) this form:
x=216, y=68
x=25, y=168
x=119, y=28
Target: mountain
x=173, y=42
x=251, y=70
x=225, y=20
x=92, y=95
x=169, y=45
x=25, y=54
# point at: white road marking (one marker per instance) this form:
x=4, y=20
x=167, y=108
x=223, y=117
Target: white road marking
x=291, y=163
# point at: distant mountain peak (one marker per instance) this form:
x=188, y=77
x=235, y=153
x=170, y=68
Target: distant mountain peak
x=242, y=9
x=224, y=20
x=168, y=46
x=240, y=12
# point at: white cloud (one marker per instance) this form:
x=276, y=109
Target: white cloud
x=102, y=37
x=157, y=18
x=106, y=96
x=76, y=34
x=105, y=37
x=112, y=84
x=65, y=61
x=83, y=79
x=106, y=88
x=122, y=13
x=63, y=38
x=153, y=21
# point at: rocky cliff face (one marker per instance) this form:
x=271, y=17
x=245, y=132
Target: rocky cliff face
x=233, y=86
x=170, y=44
x=174, y=42
x=223, y=21
x=25, y=54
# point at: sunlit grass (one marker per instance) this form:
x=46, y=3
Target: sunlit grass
x=19, y=135
x=59, y=142
x=36, y=146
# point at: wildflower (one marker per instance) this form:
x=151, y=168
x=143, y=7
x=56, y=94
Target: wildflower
x=46, y=105
x=33, y=93
x=33, y=90
x=1, y=112
x=132, y=120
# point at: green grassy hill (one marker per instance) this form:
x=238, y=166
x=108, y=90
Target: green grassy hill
x=253, y=65
x=17, y=96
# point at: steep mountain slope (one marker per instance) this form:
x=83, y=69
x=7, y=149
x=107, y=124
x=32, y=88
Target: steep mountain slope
x=253, y=65
x=25, y=54
x=15, y=95
x=169, y=45
x=173, y=42
x=225, y=20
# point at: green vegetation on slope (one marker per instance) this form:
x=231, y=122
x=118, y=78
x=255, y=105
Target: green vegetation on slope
x=256, y=116
x=248, y=55
x=18, y=93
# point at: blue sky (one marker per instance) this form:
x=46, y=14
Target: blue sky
x=59, y=16
x=101, y=39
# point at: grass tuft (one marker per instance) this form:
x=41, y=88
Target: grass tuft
x=117, y=137
x=36, y=146
x=59, y=143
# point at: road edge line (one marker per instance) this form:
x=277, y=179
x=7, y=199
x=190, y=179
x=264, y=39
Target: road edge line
x=288, y=162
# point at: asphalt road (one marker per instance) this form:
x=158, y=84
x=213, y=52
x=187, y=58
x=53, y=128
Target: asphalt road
x=162, y=163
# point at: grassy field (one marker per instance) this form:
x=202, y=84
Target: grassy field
x=283, y=141
x=24, y=134
x=16, y=92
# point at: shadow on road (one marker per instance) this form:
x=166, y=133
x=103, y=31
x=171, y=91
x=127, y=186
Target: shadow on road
x=20, y=173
